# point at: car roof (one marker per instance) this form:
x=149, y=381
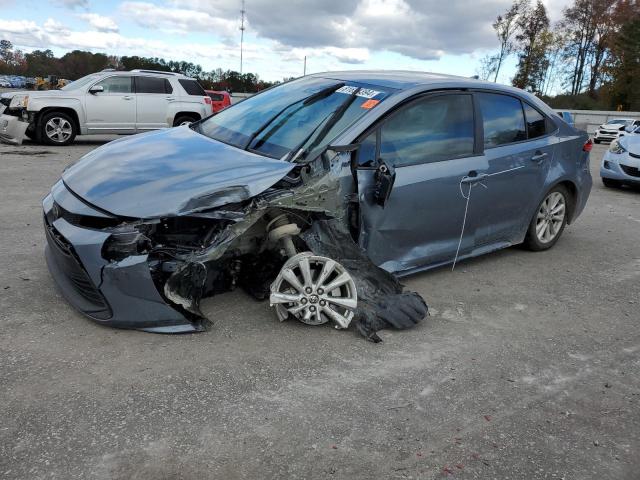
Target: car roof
x=150, y=73
x=407, y=79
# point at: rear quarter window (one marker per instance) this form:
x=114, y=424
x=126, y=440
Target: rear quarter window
x=192, y=87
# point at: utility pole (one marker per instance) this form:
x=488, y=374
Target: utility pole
x=242, y=28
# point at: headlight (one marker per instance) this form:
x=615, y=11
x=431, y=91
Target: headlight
x=615, y=147
x=19, y=101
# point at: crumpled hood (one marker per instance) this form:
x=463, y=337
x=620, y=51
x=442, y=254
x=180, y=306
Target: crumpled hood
x=170, y=172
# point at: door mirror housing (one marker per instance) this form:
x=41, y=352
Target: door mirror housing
x=384, y=179
x=96, y=89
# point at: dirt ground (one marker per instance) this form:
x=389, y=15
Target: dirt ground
x=527, y=368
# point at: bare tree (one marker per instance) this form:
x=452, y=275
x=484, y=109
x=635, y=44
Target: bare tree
x=488, y=66
x=505, y=27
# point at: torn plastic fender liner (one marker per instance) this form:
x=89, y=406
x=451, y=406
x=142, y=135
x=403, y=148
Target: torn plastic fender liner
x=382, y=301
x=186, y=286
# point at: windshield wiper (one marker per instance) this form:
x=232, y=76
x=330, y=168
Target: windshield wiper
x=325, y=92
x=298, y=152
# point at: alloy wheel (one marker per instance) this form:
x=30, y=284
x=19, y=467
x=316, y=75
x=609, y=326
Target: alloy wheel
x=550, y=217
x=58, y=129
x=314, y=290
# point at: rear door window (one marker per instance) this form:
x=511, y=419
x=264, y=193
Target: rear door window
x=192, y=87
x=152, y=85
x=502, y=119
x=429, y=130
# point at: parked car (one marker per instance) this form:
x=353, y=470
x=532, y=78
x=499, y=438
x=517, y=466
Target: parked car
x=621, y=162
x=567, y=117
x=219, y=100
x=310, y=194
x=634, y=130
x=5, y=83
x=611, y=129
x=105, y=102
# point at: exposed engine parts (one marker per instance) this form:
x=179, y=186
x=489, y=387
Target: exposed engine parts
x=292, y=243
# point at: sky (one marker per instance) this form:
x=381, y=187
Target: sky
x=445, y=36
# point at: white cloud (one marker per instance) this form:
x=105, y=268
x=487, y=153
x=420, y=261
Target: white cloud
x=177, y=20
x=99, y=22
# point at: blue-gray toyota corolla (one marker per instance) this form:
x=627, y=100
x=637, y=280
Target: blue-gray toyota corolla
x=316, y=194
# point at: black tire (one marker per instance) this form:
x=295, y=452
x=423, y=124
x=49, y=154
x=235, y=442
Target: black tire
x=532, y=240
x=610, y=183
x=182, y=119
x=65, y=136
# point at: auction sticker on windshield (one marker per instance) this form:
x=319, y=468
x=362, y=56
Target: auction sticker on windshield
x=363, y=92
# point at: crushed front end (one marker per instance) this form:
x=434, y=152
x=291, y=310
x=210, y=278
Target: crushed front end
x=151, y=274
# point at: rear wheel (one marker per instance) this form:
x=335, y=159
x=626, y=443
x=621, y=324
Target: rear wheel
x=549, y=220
x=610, y=183
x=183, y=120
x=57, y=128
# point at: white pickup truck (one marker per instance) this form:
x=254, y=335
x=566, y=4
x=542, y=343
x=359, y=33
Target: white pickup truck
x=106, y=102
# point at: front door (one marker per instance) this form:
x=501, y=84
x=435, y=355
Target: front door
x=114, y=109
x=430, y=146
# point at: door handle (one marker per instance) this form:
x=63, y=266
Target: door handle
x=127, y=97
x=539, y=156
x=170, y=98
x=473, y=177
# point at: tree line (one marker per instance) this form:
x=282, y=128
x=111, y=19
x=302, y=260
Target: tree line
x=592, y=55
x=78, y=63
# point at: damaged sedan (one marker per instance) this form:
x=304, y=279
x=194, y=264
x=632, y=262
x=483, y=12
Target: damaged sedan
x=317, y=195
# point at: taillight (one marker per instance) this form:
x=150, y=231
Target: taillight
x=587, y=146
x=208, y=101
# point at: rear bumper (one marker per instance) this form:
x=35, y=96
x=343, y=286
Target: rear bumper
x=12, y=129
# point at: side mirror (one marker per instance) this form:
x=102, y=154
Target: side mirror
x=96, y=89
x=385, y=177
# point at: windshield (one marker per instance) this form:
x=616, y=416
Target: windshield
x=617, y=121
x=81, y=82
x=295, y=120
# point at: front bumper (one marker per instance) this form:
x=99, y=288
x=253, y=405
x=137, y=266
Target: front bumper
x=12, y=129
x=119, y=294
x=621, y=167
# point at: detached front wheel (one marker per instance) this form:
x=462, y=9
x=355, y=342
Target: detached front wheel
x=549, y=220
x=57, y=128
x=314, y=290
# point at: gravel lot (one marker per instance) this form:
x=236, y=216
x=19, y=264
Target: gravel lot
x=528, y=368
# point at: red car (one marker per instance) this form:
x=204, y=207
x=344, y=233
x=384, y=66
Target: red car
x=219, y=100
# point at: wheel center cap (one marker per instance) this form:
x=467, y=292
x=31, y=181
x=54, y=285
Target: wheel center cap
x=313, y=299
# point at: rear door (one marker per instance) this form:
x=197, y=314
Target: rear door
x=153, y=96
x=518, y=153
x=114, y=109
x=429, y=146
